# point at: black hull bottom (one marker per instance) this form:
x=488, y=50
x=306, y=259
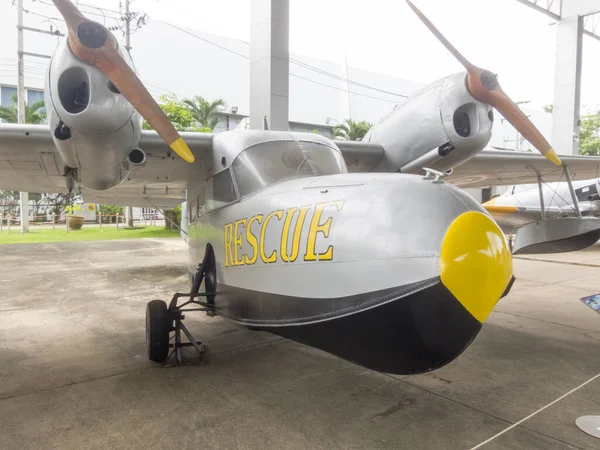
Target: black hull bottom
x=412, y=334
x=571, y=244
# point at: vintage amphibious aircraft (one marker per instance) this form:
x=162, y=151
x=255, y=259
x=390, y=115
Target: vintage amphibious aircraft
x=524, y=205
x=367, y=250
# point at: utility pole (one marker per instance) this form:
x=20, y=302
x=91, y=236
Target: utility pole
x=129, y=209
x=23, y=196
x=127, y=28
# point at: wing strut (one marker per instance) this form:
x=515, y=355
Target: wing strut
x=542, y=206
x=573, y=196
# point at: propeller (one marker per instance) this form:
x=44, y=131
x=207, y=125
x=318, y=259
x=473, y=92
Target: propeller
x=484, y=86
x=95, y=45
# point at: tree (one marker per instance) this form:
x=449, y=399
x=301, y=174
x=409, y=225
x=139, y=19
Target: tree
x=204, y=112
x=589, y=136
x=110, y=213
x=549, y=108
x=9, y=202
x=36, y=198
x=33, y=113
x=173, y=218
x=57, y=203
x=351, y=130
x=177, y=112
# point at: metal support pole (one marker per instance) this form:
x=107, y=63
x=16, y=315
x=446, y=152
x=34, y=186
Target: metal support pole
x=53, y=221
x=539, y=178
x=21, y=107
x=8, y=223
x=101, y=220
x=21, y=67
x=129, y=217
x=573, y=196
x=118, y=218
x=24, y=200
x=178, y=351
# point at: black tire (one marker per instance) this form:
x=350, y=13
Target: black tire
x=158, y=326
x=210, y=273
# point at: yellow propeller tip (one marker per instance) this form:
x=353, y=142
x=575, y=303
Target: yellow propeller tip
x=553, y=157
x=181, y=148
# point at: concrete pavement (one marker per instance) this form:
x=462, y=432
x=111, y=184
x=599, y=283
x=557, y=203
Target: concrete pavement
x=74, y=373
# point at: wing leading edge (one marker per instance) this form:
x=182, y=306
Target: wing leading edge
x=506, y=168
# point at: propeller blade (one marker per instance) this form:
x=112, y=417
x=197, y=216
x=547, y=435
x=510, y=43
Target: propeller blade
x=464, y=61
x=498, y=99
x=95, y=45
x=484, y=86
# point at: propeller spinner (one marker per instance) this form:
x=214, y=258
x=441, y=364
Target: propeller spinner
x=484, y=86
x=95, y=45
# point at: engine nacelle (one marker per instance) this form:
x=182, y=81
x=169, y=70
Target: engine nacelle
x=93, y=126
x=447, y=127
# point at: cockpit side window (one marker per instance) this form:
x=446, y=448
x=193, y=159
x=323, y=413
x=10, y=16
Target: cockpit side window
x=220, y=190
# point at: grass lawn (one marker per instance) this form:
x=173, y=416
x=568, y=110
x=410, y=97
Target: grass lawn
x=85, y=234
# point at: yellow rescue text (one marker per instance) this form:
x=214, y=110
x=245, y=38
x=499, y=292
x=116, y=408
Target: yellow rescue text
x=248, y=240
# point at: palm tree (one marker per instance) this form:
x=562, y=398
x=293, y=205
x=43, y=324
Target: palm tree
x=32, y=112
x=204, y=112
x=351, y=130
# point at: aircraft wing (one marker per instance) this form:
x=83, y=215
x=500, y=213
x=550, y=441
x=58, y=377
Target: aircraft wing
x=501, y=167
x=360, y=156
x=513, y=217
x=30, y=162
x=28, y=159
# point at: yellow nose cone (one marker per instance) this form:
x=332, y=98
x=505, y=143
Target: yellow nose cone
x=475, y=263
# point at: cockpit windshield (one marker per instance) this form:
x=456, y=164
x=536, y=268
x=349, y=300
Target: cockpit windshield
x=268, y=162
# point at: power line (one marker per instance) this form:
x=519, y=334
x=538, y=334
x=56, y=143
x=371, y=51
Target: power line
x=324, y=72
x=27, y=11
x=338, y=77
x=102, y=10
x=343, y=90
x=294, y=61
x=291, y=74
x=13, y=60
x=63, y=21
x=92, y=6
x=165, y=91
x=207, y=41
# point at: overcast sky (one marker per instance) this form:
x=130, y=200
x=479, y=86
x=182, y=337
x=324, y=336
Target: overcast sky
x=385, y=36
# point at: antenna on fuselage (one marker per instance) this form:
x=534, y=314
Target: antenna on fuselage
x=265, y=123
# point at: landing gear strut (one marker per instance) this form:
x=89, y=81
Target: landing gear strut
x=161, y=320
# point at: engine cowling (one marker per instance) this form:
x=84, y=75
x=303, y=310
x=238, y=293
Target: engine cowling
x=439, y=127
x=93, y=126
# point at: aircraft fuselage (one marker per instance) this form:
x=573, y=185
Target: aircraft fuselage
x=347, y=262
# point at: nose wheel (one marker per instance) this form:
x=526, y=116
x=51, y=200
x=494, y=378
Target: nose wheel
x=158, y=325
x=162, y=320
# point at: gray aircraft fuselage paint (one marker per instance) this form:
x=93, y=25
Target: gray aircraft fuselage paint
x=345, y=262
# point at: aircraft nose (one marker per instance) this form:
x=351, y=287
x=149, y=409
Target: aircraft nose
x=475, y=263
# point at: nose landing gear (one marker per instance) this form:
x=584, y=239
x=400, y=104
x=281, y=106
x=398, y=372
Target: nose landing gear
x=162, y=320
